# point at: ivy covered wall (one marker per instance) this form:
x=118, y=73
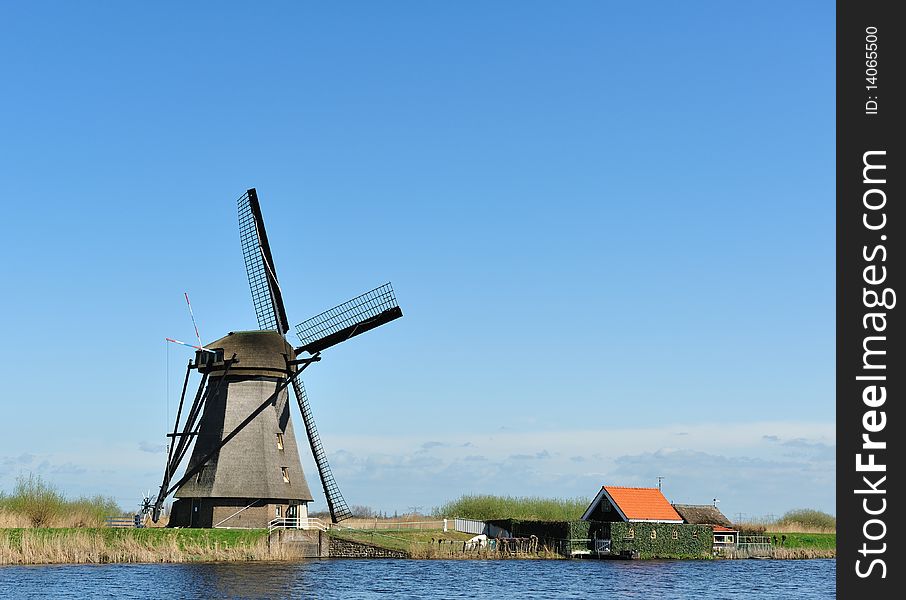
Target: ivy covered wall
x=661, y=539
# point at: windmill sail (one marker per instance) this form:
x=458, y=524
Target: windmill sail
x=335, y=502
x=259, y=265
x=362, y=313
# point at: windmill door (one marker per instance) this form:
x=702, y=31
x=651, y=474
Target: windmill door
x=193, y=519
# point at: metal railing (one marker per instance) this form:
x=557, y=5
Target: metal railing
x=296, y=523
x=123, y=522
x=754, y=545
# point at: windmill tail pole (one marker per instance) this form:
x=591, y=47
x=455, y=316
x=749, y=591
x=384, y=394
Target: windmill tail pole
x=195, y=325
x=190, y=345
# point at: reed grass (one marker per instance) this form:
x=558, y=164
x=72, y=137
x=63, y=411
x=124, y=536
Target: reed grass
x=777, y=527
x=56, y=546
x=447, y=552
x=804, y=553
x=817, y=541
x=36, y=503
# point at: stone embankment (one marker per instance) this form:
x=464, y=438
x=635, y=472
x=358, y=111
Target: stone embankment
x=348, y=549
x=288, y=544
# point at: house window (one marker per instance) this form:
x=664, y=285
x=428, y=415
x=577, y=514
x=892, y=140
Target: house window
x=630, y=533
x=279, y=441
x=723, y=539
x=278, y=511
x=675, y=534
x=605, y=505
x=654, y=534
x=285, y=474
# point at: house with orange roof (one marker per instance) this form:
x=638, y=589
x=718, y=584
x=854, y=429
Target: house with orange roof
x=637, y=521
x=631, y=505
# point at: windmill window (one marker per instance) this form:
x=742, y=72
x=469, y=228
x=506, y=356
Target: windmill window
x=285, y=474
x=675, y=534
x=198, y=477
x=279, y=441
x=630, y=533
x=654, y=534
x=277, y=512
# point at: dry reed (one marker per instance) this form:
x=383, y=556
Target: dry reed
x=423, y=550
x=796, y=553
x=799, y=528
x=37, y=547
x=72, y=519
x=761, y=528
x=37, y=503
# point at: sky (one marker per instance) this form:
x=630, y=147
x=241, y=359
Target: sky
x=610, y=227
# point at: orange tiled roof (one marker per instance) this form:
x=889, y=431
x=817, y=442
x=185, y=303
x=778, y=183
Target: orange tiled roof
x=642, y=503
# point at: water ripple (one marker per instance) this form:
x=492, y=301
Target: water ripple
x=411, y=579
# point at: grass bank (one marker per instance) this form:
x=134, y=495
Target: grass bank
x=399, y=540
x=435, y=543
x=804, y=545
x=108, y=545
x=432, y=544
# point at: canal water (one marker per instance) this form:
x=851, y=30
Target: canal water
x=366, y=579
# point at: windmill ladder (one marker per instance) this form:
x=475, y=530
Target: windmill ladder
x=335, y=501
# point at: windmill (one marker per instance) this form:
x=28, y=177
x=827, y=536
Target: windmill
x=244, y=468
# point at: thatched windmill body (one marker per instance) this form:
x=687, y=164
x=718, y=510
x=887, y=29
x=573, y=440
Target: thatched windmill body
x=244, y=468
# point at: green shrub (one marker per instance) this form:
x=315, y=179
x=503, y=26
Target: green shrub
x=37, y=500
x=43, y=505
x=530, y=508
x=808, y=518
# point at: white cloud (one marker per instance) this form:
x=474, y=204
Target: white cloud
x=755, y=468
x=152, y=448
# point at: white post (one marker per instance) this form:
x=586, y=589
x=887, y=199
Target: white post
x=445, y=526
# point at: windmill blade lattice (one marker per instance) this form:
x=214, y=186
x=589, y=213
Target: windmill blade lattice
x=335, y=502
x=259, y=265
x=353, y=317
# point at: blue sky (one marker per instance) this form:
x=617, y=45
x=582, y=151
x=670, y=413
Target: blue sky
x=610, y=227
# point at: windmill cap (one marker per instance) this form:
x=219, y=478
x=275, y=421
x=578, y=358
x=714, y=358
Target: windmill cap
x=261, y=353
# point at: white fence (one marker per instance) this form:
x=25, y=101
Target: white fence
x=478, y=527
x=470, y=526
